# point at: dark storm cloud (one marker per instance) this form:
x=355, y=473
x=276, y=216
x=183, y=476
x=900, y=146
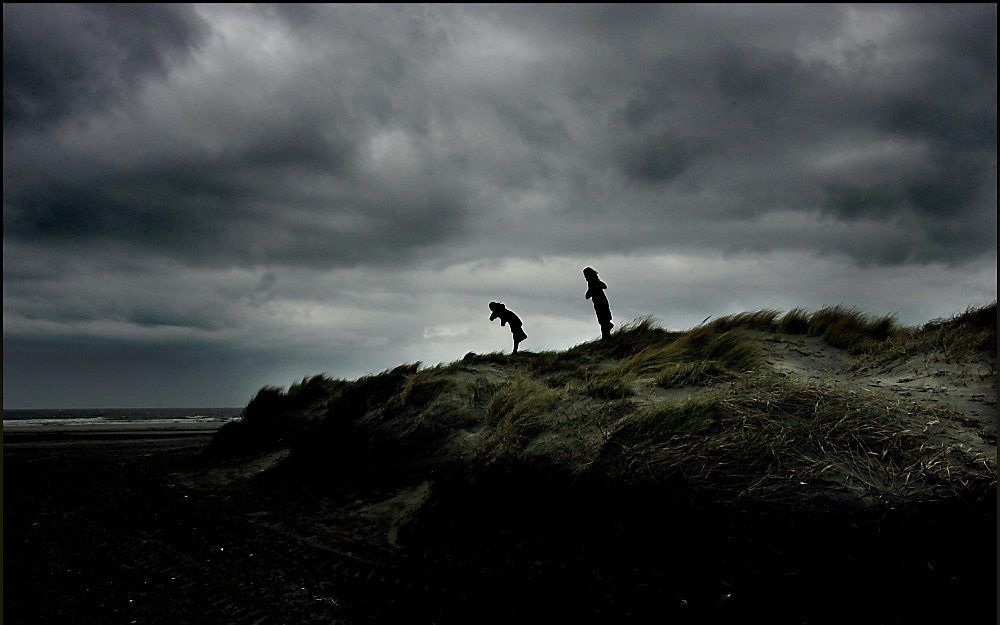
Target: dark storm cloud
x=274, y=177
x=218, y=215
x=667, y=116
x=67, y=59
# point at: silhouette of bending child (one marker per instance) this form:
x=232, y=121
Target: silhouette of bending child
x=595, y=292
x=508, y=317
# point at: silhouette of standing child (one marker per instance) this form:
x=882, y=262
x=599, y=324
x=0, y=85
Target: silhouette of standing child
x=595, y=292
x=508, y=317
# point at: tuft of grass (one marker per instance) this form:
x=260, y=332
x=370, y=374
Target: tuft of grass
x=626, y=340
x=698, y=373
x=609, y=385
x=311, y=390
x=516, y=412
x=976, y=318
x=761, y=320
x=499, y=358
x=518, y=399
x=273, y=416
x=416, y=393
x=266, y=407
x=430, y=404
x=367, y=392
x=729, y=349
x=849, y=328
x=259, y=425
x=425, y=387
x=666, y=420
x=549, y=362
x=795, y=321
x=633, y=336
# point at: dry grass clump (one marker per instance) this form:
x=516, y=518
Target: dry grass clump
x=850, y=329
x=609, y=385
x=729, y=349
x=483, y=391
x=768, y=440
x=516, y=412
x=430, y=402
x=795, y=321
x=499, y=358
x=762, y=320
x=424, y=387
x=626, y=340
x=313, y=389
x=968, y=334
x=273, y=415
x=699, y=373
x=548, y=362
x=366, y=393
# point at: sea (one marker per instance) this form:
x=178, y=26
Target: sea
x=111, y=416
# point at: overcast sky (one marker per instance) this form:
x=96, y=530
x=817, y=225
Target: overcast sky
x=201, y=200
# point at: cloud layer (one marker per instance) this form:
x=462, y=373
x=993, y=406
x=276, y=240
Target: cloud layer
x=220, y=177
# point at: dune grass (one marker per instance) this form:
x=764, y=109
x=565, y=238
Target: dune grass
x=762, y=320
x=428, y=403
x=275, y=416
x=609, y=385
x=516, y=412
x=707, y=352
x=850, y=329
x=628, y=339
x=698, y=373
x=499, y=358
x=844, y=328
x=771, y=440
x=728, y=350
x=795, y=321
x=748, y=434
x=968, y=334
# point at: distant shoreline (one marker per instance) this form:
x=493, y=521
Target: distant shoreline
x=114, y=419
x=18, y=435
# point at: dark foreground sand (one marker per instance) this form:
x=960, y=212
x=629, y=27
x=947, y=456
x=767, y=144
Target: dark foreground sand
x=98, y=530
x=132, y=525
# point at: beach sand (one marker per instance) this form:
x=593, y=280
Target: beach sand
x=99, y=529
